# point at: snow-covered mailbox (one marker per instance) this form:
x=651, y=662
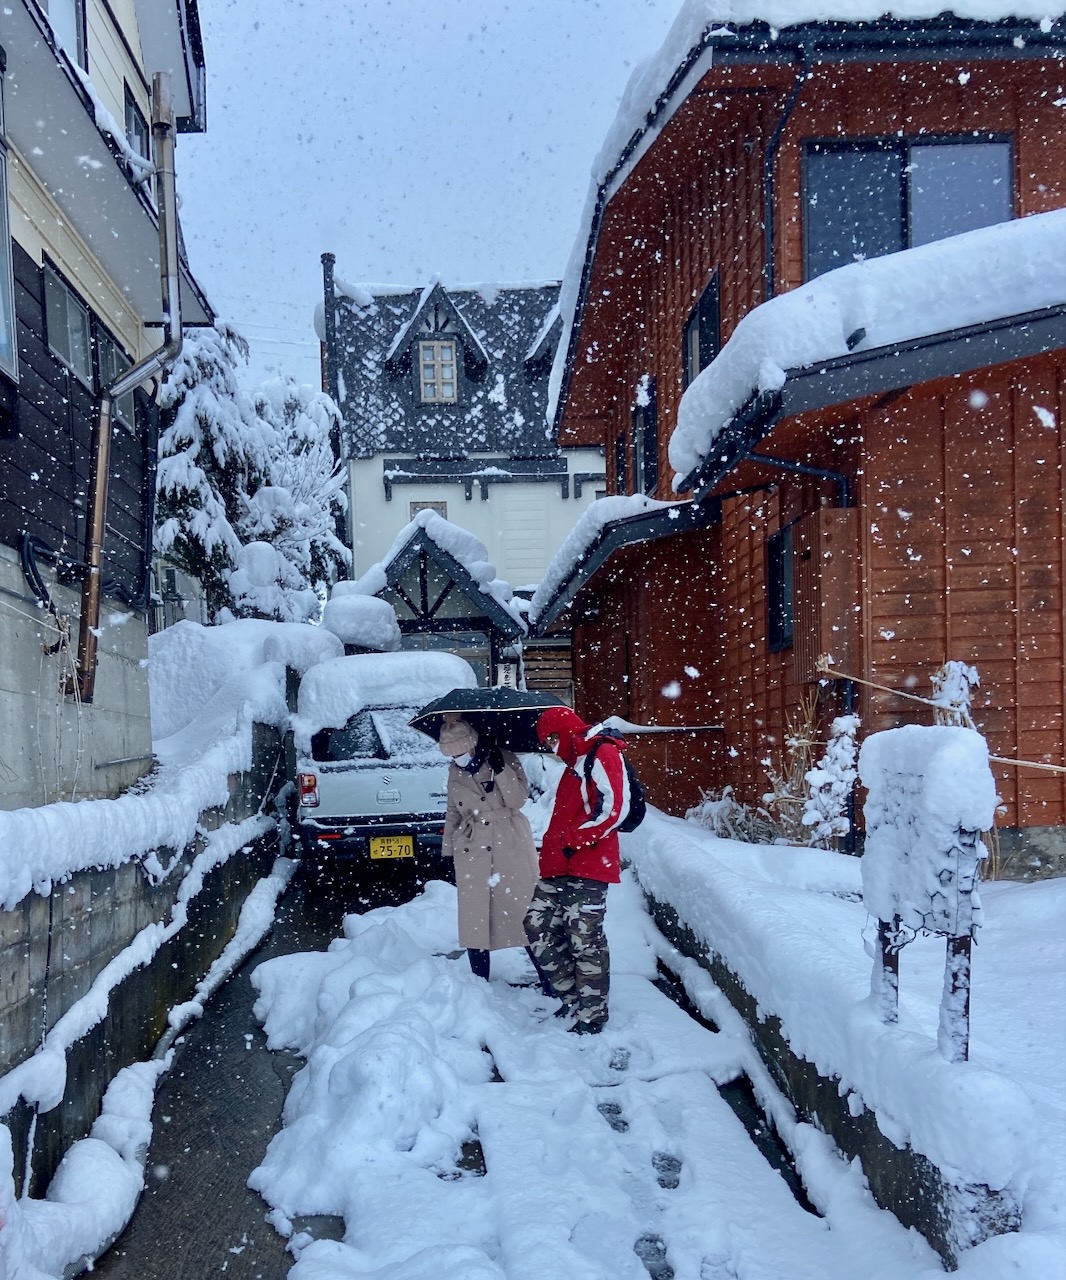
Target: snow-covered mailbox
x=931, y=794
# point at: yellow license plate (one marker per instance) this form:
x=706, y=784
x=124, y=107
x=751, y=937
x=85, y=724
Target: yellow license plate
x=392, y=846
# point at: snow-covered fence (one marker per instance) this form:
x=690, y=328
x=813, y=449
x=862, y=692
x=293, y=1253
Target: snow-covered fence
x=931, y=794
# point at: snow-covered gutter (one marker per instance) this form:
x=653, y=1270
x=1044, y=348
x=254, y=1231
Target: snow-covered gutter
x=149, y=367
x=977, y=299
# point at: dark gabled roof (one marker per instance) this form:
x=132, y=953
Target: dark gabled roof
x=502, y=401
x=420, y=546
x=436, y=299
x=646, y=526
x=876, y=372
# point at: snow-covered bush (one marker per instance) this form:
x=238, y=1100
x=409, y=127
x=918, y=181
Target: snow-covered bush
x=825, y=813
x=725, y=816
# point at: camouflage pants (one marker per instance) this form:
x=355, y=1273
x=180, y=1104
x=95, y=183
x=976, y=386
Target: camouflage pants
x=564, y=924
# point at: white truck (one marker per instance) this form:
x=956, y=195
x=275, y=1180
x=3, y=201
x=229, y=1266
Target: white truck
x=371, y=791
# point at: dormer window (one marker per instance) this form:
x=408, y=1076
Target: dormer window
x=437, y=372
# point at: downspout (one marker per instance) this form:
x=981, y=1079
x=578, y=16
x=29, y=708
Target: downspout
x=150, y=366
x=331, y=384
x=769, y=262
x=329, y=304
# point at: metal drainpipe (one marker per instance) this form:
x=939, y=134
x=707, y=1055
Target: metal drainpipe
x=329, y=304
x=769, y=264
x=150, y=366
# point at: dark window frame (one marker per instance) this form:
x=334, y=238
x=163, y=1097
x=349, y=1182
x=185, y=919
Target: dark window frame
x=702, y=332
x=621, y=469
x=780, y=589
x=106, y=358
x=900, y=146
x=645, y=437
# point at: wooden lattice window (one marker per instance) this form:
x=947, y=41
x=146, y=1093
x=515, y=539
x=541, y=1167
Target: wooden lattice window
x=437, y=372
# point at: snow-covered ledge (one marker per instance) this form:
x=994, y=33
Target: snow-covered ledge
x=944, y=1146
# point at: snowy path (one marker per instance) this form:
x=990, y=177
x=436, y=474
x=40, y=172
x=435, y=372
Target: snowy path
x=615, y=1157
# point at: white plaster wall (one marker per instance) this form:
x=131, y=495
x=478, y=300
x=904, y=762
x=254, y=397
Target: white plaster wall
x=50, y=747
x=522, y=525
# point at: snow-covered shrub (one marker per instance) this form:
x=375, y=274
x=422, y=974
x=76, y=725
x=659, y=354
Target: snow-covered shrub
x=825, y=813
x=726, y=817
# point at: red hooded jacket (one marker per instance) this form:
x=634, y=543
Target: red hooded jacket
x=584, y=817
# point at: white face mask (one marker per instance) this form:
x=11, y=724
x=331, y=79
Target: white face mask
x=463, y=760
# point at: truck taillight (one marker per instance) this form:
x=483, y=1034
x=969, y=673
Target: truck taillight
x=309, y=790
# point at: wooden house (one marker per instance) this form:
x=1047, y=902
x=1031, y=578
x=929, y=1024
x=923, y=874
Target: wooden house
x=893, y=497
x=81, y=302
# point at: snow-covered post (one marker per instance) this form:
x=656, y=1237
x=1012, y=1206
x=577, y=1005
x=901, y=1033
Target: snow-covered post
x=931, y=794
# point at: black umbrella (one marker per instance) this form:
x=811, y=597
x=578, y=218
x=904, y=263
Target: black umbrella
x=509, y=715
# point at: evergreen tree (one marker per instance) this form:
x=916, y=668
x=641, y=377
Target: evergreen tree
x=248, y=492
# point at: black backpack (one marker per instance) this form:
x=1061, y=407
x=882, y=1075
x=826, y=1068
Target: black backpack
x=638, y=805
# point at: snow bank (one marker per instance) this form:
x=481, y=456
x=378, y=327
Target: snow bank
x=334, y=691
x=188, y=663
x=208, y=685
x=802, y=958
x=969, y=279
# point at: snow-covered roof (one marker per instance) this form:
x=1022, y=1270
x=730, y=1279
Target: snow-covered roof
x=500, y=407
x=660, y=84
x=405, y=334
x=467, y=550
x=594, y=521
x=1009, y=269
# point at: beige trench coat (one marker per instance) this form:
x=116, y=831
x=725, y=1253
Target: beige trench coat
x=495, y=858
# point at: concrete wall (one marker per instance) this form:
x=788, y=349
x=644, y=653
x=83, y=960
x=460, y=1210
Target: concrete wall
x=522, y=525
x=51, y=747
x=52, y=948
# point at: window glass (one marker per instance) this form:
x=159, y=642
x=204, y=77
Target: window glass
x=702, y=336
x=864, y=200
x=68, y=326
x=68, y=22
x=779, y=590
x=137, y=134
x=646, y=443
x=437, y=372
x=358, y=739
x=854, y=206
x=958, y=186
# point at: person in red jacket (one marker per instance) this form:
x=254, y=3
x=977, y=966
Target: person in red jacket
x=579, y=858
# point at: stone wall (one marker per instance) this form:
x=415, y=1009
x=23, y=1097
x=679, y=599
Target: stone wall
x=53, y=947
x=951, y=1215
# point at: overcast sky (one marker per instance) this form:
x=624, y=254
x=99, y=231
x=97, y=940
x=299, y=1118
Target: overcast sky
x=408, y=137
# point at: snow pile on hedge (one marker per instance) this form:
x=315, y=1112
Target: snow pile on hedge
x=358, y=619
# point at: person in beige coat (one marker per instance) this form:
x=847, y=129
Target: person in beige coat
x=489, y=838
